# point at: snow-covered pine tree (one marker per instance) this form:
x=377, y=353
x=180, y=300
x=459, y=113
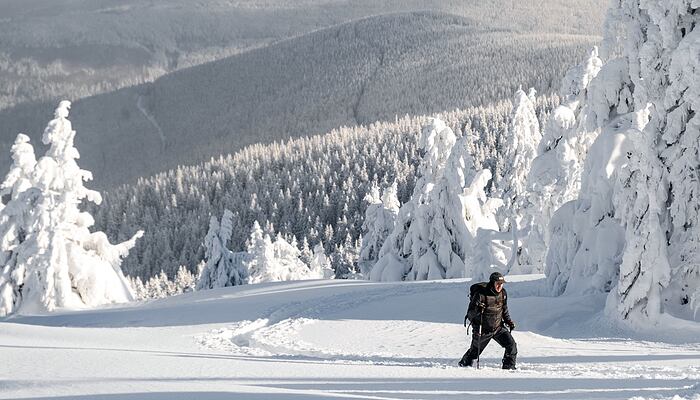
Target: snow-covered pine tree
x=588, y=222
x=156, y=287
x=480, y=216
x=160, y=286
x=380, y=217
x=369, y=252
x=289, y=258
x=646, y=103
x=676, y=120
x=19, y=178
x=587, y=240
x=407, y=248
x=269, y=261
x=555, y=174
x=167, y=286
x=492, y=253
x=138, y=287
x=220, y=269
x=519, y=149
x=320, y=264
x=261, y=253
x=341, y=262
x=663, y=65
x=448, y=235
x=12, y=218
x=645, y=270
x=59, y=262
x=306, y=254
x=185, y=281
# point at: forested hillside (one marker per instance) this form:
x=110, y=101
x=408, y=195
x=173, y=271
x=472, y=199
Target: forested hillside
x=311, y=188
x=75, y=48
x=364, y=71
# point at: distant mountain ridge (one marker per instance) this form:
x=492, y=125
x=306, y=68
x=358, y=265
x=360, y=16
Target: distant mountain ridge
x=373, y=69
x=72, y=49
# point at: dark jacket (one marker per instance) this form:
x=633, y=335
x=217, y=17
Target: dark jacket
x=494, y=312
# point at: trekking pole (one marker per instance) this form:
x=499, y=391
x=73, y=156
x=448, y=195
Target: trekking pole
x=478, y=340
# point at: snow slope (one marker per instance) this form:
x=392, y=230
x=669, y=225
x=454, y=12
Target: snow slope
x=340, y=339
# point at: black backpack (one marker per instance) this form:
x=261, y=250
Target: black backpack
x=472, y=309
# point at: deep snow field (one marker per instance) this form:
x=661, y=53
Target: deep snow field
x=342, y=339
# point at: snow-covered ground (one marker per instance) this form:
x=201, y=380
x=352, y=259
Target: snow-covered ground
x=341, y=339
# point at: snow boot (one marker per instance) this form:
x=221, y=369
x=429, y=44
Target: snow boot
x=465, y=363
x=509, y=361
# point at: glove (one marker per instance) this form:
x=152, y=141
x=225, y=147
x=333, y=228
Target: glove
x=510, y=325
x=480, y=305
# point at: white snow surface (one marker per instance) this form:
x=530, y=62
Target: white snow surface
x=341, y=339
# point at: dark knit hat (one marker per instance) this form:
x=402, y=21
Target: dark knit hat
x=497, y=277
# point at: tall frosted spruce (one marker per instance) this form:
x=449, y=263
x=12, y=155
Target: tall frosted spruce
x=518, y=152
x=519, y=149
x=555, y=174
x=380, y=217
x=54, y=260
x=633, y=230
x=434, y=234
x=406, y=253
x=661, y=264
x=278, y=260
x=222, y=268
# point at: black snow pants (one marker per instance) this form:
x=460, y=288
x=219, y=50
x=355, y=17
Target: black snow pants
x=502, y=336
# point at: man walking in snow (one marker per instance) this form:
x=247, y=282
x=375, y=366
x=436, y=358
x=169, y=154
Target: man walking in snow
x=489, y=317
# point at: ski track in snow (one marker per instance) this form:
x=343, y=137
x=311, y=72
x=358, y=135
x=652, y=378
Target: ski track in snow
x=283, y=333
x=271, y=333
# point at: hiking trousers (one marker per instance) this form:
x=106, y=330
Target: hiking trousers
x=502, y=336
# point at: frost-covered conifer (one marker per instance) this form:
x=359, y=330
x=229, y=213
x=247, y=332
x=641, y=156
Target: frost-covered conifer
x=645, y=269
x=185, y=281
x=369, y=253
x=519, y=149
x=646, y=103
x=320, y=265
x=379, y=222
x=138, y=287
x=156, y=287
x=220, y=269
x=270, y=261
x=555, y=174
x=19, y=178
x=448, y=235
x=306, y=254
x=492, y=253
x=160, y=286
x=59, y=262
x=407, y=248
x=435, y=238
x=676, y=120
x=480, y=214
x=13, y=217
x=167, y=286
x=341, y=262
x=586, y=239
x=588, y=222
x=260, y=251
